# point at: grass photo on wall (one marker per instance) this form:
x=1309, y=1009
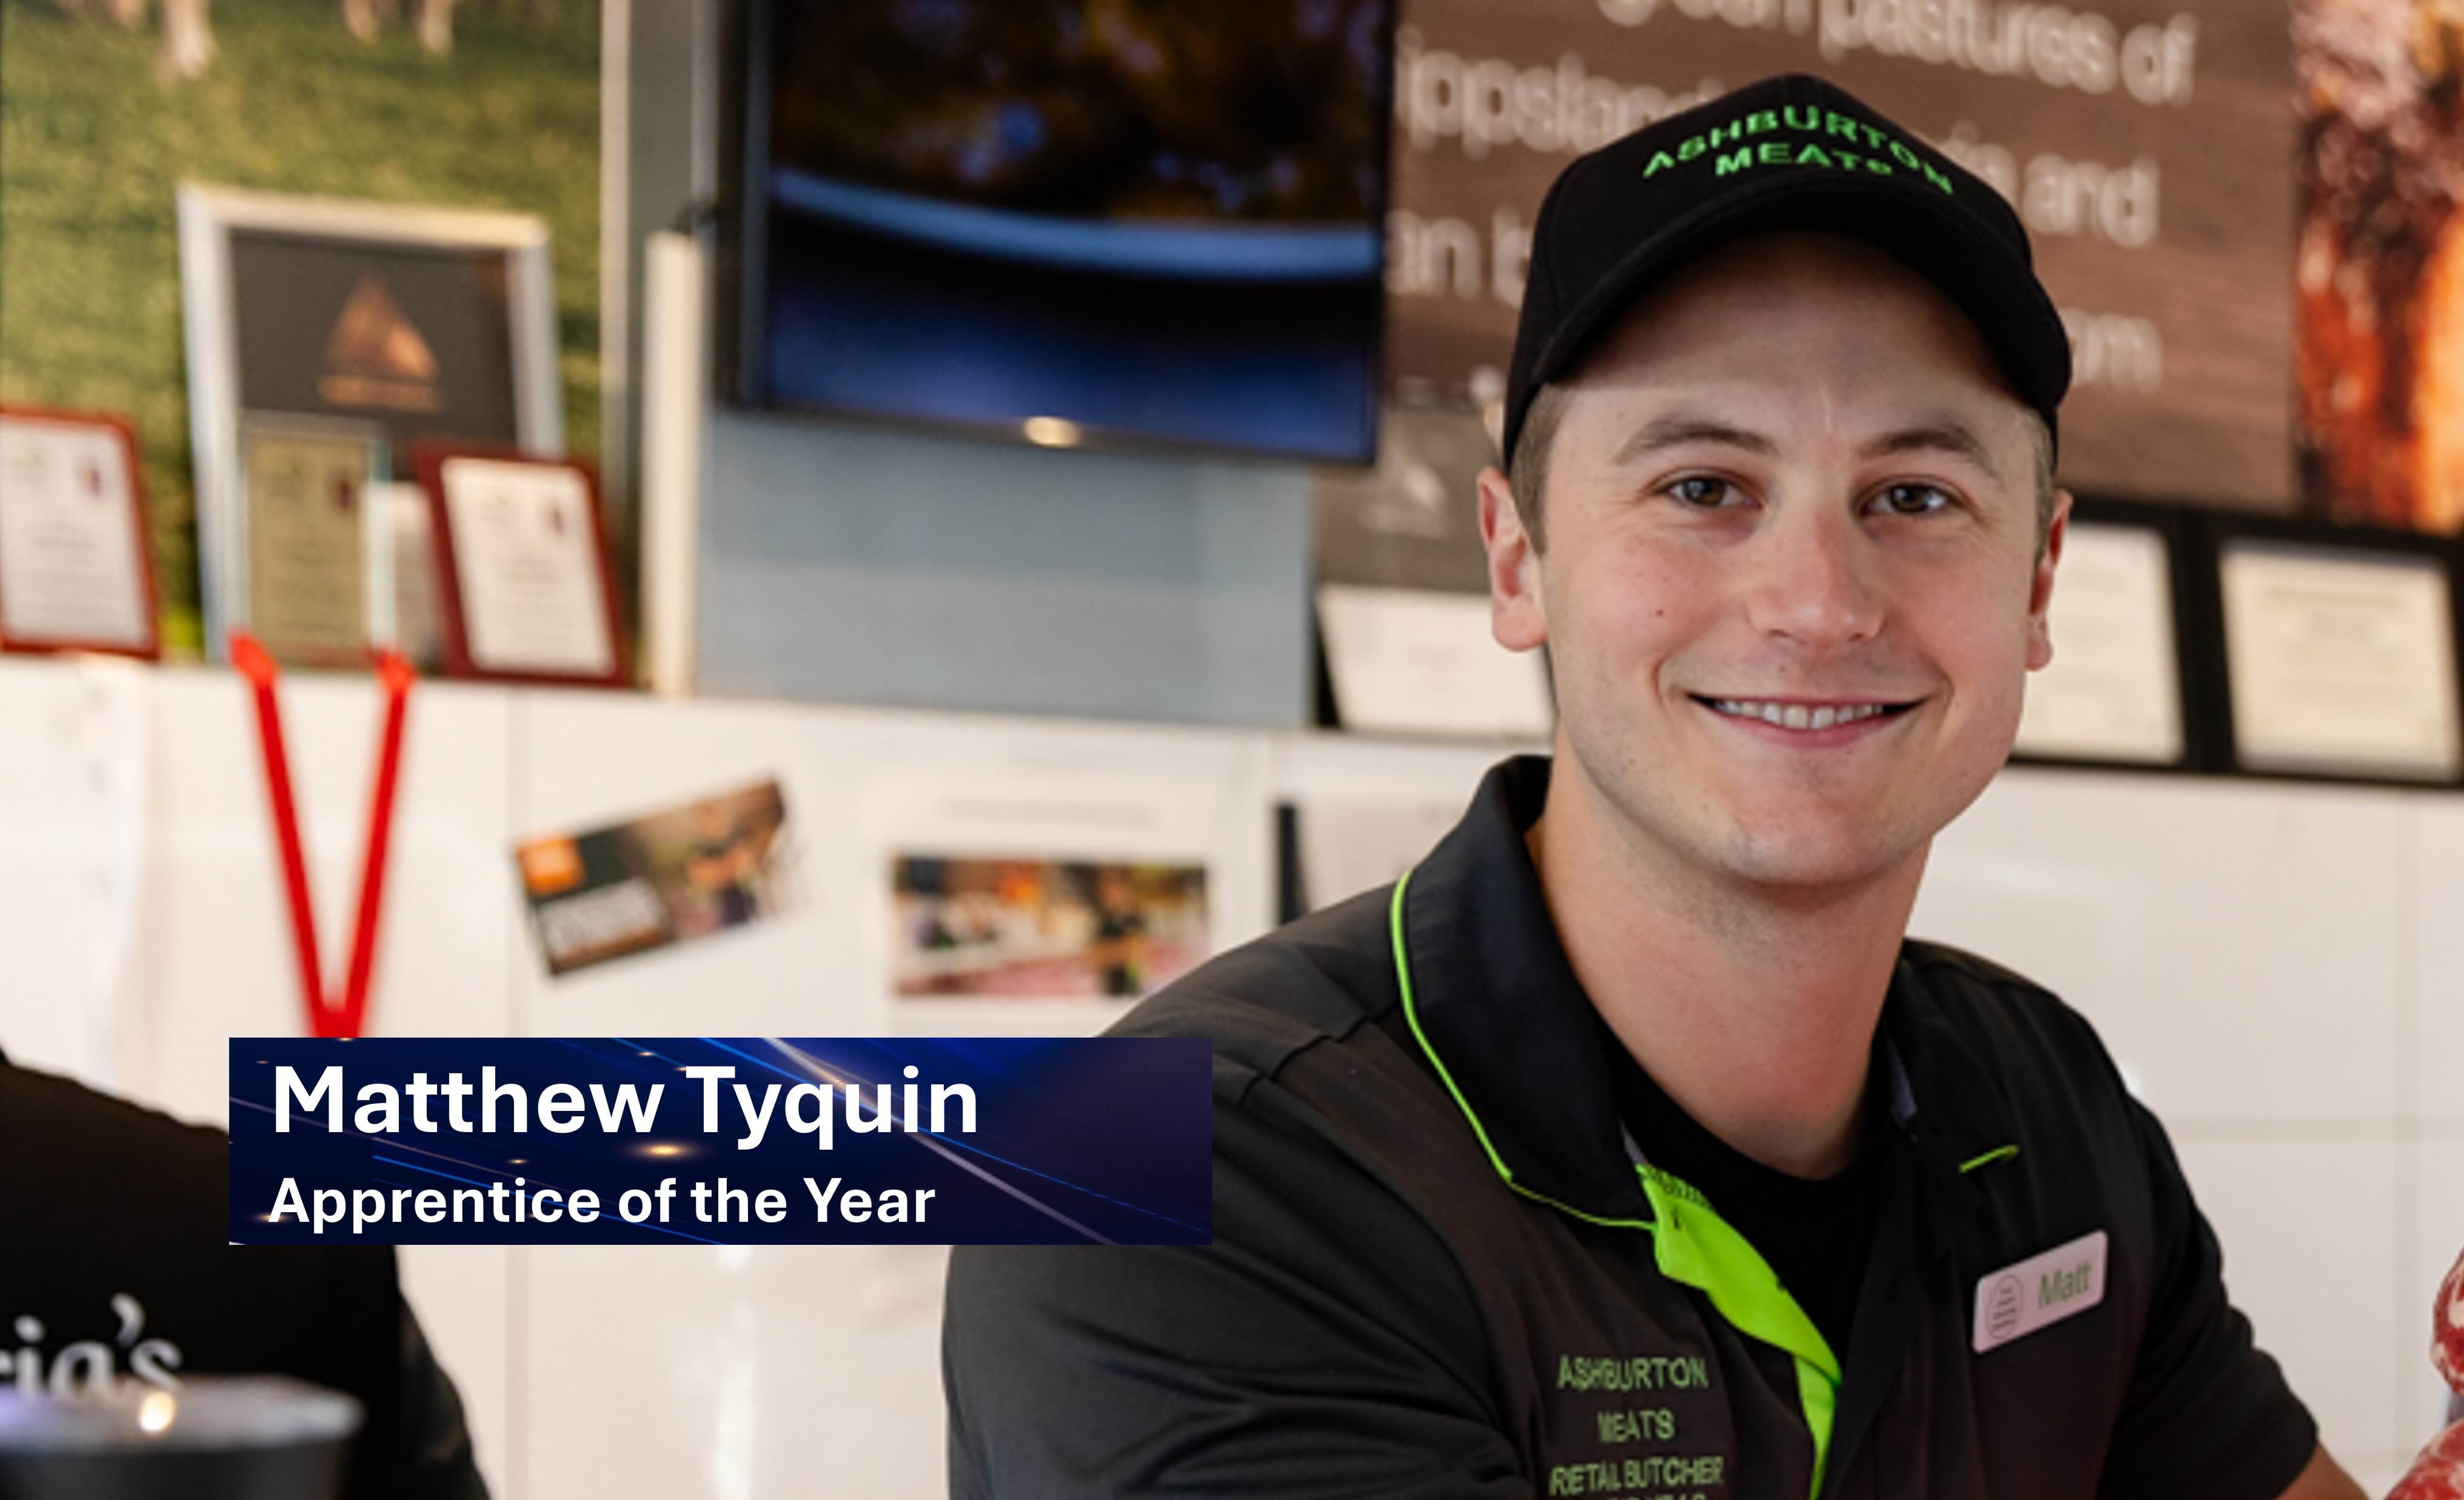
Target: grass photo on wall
x=487, y=103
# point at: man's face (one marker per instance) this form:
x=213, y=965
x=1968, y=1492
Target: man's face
x=1791, y=485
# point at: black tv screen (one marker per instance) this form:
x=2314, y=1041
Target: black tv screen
x=1108, y=219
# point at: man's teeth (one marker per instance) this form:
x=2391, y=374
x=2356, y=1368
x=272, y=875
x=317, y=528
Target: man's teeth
x=1798, y=716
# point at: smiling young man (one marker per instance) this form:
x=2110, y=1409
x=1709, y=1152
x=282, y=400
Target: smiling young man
x=1627, y=1146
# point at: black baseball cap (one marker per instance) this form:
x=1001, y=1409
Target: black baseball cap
x=1793, y=152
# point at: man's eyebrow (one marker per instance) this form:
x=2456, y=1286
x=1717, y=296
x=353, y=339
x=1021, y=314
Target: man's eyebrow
x=1945, y=435
x=1677, y=431
x=1942, y=435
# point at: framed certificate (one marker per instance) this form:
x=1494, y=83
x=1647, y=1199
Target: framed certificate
x=2337, y=650
x=2118, y=691
x=76, y=571
x=416, y=323
x=1402, y=589
x=318, y=559
x=521, y=562
x=1409, y=661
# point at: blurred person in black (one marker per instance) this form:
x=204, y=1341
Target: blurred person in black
x=115, y=1266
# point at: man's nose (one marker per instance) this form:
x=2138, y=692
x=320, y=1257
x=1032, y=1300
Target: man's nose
x=1812, y=579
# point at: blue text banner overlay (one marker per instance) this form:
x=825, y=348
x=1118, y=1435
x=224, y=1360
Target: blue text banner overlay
x=720, y=1140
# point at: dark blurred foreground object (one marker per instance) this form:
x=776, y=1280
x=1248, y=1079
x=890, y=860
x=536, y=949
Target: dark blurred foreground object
x=132, y=1286
x=215, y=1438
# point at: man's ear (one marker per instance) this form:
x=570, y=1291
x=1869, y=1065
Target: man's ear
x=2041, y=588
x=1517, y=616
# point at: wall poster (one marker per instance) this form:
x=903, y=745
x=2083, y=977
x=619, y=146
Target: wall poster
x=2144, y=141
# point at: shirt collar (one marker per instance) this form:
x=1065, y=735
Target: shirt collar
x=1497, y=1007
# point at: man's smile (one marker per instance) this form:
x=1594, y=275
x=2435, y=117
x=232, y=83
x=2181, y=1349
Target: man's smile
x=1809, y=721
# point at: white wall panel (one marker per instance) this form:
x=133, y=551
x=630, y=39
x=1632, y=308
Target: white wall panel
x=2377, y=1475
x=2309, y=1234
x=736, y=1373
x=72, y=740
x=2233, y=943
x=2434, y=971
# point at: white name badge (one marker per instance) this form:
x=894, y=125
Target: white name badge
x=2019, y=1299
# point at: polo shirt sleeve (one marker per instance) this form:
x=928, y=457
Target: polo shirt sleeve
x=2207, y=1412
x=1325, y=1344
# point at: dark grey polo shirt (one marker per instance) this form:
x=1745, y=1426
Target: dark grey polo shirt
x=1443, y=1267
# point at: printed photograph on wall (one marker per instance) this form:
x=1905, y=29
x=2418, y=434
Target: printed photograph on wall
x=1043, y=928
x=470, y=107
x=2379, y=266
x=690, y=872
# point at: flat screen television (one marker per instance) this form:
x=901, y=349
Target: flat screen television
x=1104, y=220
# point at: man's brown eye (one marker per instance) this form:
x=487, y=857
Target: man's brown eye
x=1915, y=500
x=1702, y=493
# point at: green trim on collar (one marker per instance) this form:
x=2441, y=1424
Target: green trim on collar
x=1412, y=1018
x=1998, y=1153
x=1691, y=1243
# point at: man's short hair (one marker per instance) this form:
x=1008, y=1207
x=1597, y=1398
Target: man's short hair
x=1527, y=467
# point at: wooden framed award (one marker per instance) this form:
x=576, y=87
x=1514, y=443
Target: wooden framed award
x=77, y=568
x=528, y=593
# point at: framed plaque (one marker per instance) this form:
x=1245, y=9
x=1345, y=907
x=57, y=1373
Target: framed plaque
x=418, y=324
x=2337, y=650
x=2118, y=691
x=76, y=571
x=522, y=568
x=318, y=568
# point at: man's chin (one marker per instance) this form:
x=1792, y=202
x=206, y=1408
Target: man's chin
x=1814, y=861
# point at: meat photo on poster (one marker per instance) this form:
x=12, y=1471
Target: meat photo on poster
x=2379, y=267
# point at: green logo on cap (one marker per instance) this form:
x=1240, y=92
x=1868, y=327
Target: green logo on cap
x=1842, y=143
